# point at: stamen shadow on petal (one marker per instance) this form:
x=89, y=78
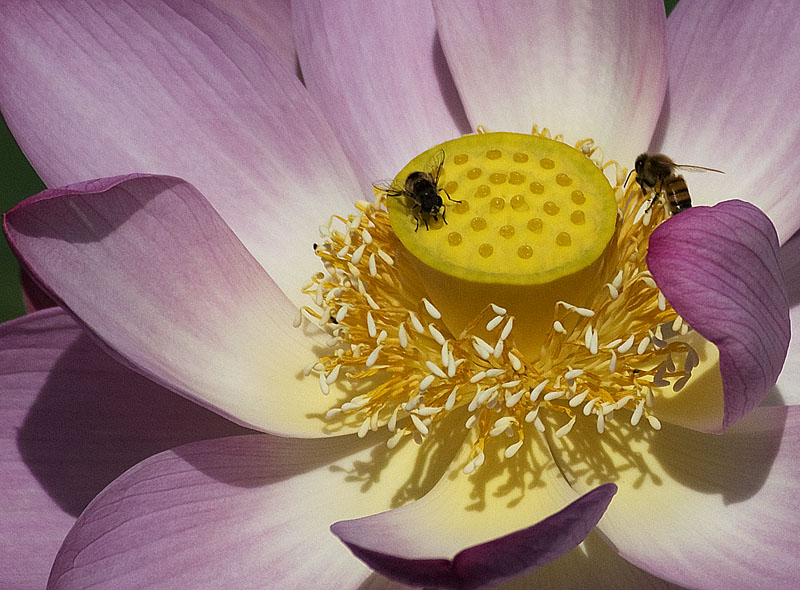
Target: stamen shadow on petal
x=699, y=461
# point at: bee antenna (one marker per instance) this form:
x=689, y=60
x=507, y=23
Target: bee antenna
x=624, y=184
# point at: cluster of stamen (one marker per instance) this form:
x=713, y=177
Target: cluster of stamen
x=402, y=369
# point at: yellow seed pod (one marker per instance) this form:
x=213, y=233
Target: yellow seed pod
x=527, y=210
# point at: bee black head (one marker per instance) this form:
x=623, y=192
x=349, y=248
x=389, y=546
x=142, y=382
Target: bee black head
x=639, y=163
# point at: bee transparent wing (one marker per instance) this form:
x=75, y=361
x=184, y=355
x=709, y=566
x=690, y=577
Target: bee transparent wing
x=391, y=188
x=697, y=168
x=434, y=165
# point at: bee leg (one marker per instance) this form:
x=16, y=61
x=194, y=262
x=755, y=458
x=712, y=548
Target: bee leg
x=416, y=228
x=441, y=190
x=652, y=202
x=444, y=210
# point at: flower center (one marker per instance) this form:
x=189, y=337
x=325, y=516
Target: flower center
x=520, y=221
x=499, y=276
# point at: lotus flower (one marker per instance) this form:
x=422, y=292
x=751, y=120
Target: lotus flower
x=180, y=270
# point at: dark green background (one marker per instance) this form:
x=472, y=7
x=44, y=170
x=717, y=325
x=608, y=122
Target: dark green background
x=17, y=181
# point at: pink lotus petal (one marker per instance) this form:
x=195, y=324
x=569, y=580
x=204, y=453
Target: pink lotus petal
x=379, y=74
x=459, y=528
x=701, y=510
x=582, y=69
x=241, y=512
x=100, y=88
x=270, y=22
x=71, y=420
x=34, y=297
x=147, y=265
x=488, y=563
x=788, y=390
x=718, y=267
x=733, y=101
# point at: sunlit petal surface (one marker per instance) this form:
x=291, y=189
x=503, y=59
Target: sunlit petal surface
x=242, y=512
x=96, y=89
x=582, y=69
x=174, y=293
x=700, y=510
x=378, y=73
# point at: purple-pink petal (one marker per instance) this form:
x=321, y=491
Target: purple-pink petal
x=718, y=267
x=99, y=88
x=734, y=95
x=491, y=562
x=244, y=512
x=787, y=386
x=378, y=73
x=147, y=264
x=71, y=420
x=269, y=21
x=586, y=70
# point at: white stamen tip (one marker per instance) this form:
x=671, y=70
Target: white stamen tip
x=655, y=423
x=373, y=356
x=333, y=375
x=497, y=309
x=536, y=391
x=578, y=399
x=451, y=400
x=419, y=425
x=493, y=323
x=513, y=400
x=626, y=346
x=512, y=449
x=356, y=258
x=392, y=442
x=437, y=335
x=479, y=376
x=507, y=329
x=323, y=384
x=431, y=309
x=637, y=413
x=418, y=327
x=392, y=425
x=426, y=383
x=551, y=395
x=564, y=430
x=364, y=428
x=402, y=336
x=433, y=368
x=531, y=416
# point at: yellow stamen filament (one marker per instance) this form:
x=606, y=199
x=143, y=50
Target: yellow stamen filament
x=405, y=369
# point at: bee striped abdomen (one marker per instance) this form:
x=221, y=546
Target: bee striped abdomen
x=677, y=194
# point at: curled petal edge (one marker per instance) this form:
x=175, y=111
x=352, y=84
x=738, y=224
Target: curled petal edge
x=718, y=267
x=492, y=562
